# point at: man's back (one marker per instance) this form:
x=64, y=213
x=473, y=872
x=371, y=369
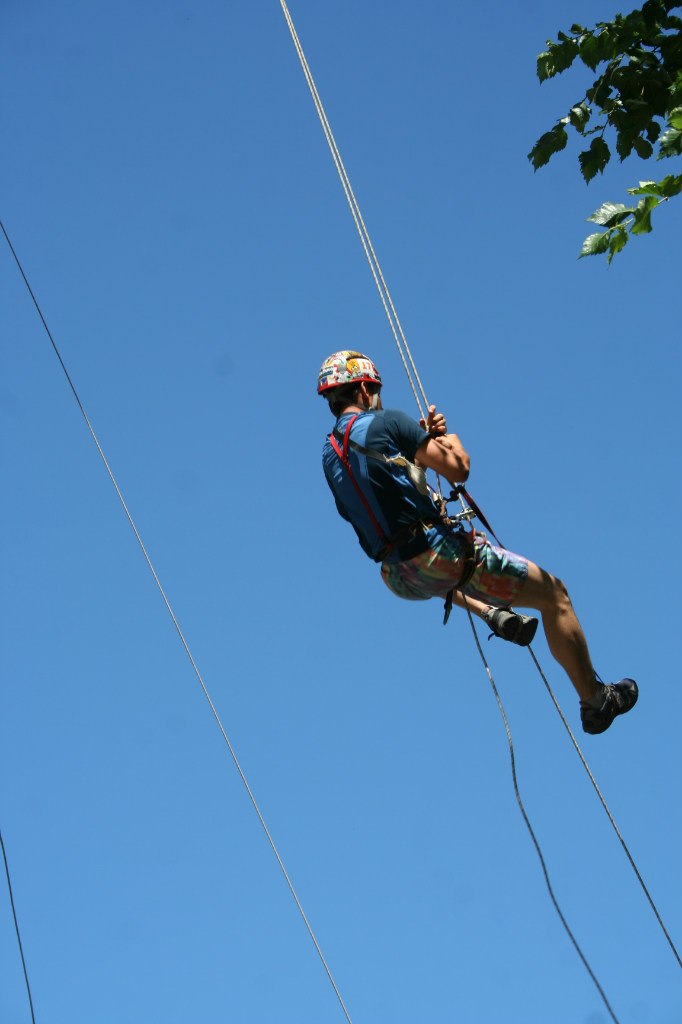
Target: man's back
x=388, y=487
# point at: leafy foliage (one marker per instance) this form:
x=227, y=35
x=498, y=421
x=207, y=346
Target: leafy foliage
x=618, y=219
x=636, y=98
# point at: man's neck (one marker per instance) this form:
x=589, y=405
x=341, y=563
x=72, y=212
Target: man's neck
x=358, y=409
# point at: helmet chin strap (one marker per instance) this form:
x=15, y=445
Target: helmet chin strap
x=374, y=402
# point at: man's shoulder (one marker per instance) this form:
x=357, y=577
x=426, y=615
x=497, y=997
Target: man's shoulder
x=396, y=426
x=391, y=417
x=395, y=420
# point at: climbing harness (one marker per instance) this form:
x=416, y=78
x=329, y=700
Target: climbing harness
x=342, y=442
x=416, y=474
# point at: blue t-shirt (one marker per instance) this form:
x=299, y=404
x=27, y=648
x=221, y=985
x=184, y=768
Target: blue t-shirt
x=393, y=497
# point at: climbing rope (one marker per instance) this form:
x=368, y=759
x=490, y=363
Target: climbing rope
x=420, y=396
x=605, y=806
x=16, y=927
x=178, y=629
x=592, y=779
x=382, y=287
x=527, y=820
x=413, y=375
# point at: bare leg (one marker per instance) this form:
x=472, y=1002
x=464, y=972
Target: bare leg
x=564, y=633
x=565, y=637
x=477, y=607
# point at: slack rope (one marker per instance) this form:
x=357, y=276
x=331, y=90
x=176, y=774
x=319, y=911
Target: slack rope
x=179, y=631
x=16, y=927
x=526, y=819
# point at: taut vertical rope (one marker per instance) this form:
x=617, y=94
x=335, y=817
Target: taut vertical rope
x=379, y=280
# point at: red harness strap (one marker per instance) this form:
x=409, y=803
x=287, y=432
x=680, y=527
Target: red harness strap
x=345, y=461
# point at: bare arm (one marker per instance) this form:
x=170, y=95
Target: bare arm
x=443, y=452
x=446, y=456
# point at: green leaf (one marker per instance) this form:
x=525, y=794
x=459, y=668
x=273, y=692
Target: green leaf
x=625, y=140
x=668, y=187
x=675, y=118
x=676, y=90
x=655, y=91
x=637, y=106
x=610, y=214
x=547, y=145
x=594, y=160
x=670, y=143
x=642, y=223
x=653, y=130
x=617, y=241
x=672, y=22
x=643, y=148
x=607, y=43
x=595, y=244
x=545, y=66
x=588, y=48
x=601, y=89
x=565, y=54
x=647, y=188
x=579, y=116
x=557, y=57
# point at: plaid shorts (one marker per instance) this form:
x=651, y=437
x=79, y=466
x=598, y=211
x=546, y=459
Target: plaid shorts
x=497, y=579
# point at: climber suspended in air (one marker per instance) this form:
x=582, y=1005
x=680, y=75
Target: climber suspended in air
x=375, y=462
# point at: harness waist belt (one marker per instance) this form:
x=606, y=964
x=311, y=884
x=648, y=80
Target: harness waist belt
x=407, y=533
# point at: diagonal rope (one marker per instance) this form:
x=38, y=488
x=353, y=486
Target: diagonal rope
x=375, y=267
x=605, y=806
x=16, y=927
x=604, y=803
x=178, y=629
x=528, y=824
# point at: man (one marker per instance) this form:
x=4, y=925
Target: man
x=374, y=461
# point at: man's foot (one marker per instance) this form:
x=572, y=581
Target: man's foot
x=618, y=698
x=508, y=625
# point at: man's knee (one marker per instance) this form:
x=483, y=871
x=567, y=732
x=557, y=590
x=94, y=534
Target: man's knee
x=559, y=593
x=548, y=590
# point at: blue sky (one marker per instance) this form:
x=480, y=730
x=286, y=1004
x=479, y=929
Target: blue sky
x=168, y=189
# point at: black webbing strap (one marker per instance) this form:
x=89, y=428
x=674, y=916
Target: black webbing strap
x=471, y=563
x=467, y=573
x=461, y=489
